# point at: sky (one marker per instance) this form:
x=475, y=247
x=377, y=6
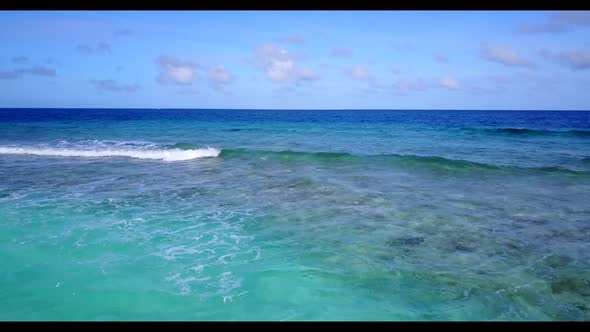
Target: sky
x=533, y=60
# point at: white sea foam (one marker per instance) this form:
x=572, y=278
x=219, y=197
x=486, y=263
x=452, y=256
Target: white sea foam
x=167, y=154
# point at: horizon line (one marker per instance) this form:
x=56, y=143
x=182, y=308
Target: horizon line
x=301, y=109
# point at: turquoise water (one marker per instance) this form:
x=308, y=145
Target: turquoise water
x=294, y=215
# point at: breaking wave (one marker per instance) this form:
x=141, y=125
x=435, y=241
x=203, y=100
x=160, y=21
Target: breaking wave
x=177, y=152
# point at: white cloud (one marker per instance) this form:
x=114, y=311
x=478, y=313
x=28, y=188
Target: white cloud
x=358, y=73
x=181, y=74
x=220, y=78
x=113, y=86
x=38, y=71
x=573, y=17
x=100, y=49
x=306, y=74
x=51, y=61
x=449, y=83
x=341, y=51
x=20, y=59
x=5, y=75
x=284, y=91
x=549, y=27
x=294, y=39
x=405, y=46
x=188, y=92
x=576, y=59
x=123, y=32
x=440, y=58
x=504, y=55
x=405, y=87
x=34, y=70
x=280, y=65
x=176, y=71
x=557, y=22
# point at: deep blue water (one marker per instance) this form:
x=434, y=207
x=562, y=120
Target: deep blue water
x=436, y=118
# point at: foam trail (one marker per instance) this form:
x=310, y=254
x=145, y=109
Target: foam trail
x=167, y=155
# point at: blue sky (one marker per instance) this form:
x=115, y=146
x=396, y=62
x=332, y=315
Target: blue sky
x=296, y=59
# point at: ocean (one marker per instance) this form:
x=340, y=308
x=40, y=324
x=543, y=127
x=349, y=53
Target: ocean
x=125, y=214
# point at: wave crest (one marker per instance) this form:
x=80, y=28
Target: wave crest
x=413, y=161
x=160, y=154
